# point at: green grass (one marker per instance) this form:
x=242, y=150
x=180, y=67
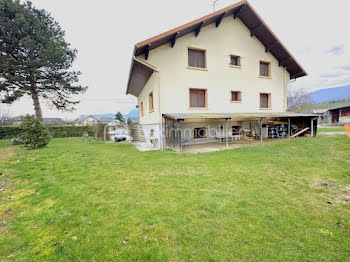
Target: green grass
x=261, y=203
x=331, y=129
x=330, y=105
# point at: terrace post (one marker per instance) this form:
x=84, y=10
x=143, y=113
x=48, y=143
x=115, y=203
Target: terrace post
x=261, y=137
x=312, y=127
x=226, y=133
x=289, y=128
x=180, y=139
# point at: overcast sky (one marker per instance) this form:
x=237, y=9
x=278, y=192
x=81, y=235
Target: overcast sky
x=105, y=32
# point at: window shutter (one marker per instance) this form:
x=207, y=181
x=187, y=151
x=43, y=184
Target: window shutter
x=264, y=69
x=264, y=100
x=196, y=58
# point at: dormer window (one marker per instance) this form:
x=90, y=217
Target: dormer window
x=196, y=58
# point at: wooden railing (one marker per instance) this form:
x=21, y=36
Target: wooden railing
x=347, y=130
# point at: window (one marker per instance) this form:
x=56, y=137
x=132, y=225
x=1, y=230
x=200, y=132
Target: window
x=235, y=60
x=236, y=96
x=196, y=58
x=265, y=69
x=265, y=100
x=141, y=108
x=235, y=130
x=150, y=99
x=199, y=132
x=198, y=98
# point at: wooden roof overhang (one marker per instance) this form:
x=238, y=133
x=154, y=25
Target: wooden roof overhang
x=242, y=10
x=238, y=116
x=139, y=75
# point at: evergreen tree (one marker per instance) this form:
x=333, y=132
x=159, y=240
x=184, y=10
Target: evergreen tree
x=35, y=58
x=119, y=116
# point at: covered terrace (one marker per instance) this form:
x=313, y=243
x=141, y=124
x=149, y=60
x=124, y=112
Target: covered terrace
x=228, y=130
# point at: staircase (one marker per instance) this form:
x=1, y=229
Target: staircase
x=137, y=134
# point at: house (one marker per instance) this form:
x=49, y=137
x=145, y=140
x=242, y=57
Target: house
x=221, y=77
x=336, y=115
x=107, y=120
x=89, y=120
x=16, y=121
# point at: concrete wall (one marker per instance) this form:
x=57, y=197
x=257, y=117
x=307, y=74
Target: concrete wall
x=175, y=79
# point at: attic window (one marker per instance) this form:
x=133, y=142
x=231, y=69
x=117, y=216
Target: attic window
x=196, y=58
x=236, y=96
x=235, y=60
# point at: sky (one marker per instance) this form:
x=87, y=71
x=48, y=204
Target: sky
x=104, y=32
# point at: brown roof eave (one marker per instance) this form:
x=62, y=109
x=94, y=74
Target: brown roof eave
x=165, y=37
x=130, y=71
x=197, y=21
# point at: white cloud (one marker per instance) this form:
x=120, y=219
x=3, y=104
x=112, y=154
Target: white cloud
x=104, y=32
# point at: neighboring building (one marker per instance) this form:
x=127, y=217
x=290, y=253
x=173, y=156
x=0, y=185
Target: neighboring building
x=16, y=121
x=107, y=120
x=226, y=71
x=87, y=121
x=337, y=115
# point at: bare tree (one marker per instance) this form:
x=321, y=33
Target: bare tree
x=299, y=101
x=5, y=114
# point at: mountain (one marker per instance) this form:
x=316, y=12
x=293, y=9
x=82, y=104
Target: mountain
x=132, y=113
x=330, y=94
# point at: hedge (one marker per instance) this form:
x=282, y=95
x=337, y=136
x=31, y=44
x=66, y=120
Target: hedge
x=9, y=132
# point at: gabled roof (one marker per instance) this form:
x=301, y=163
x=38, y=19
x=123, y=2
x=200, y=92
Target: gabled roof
x=86, y=118
x=140, y=73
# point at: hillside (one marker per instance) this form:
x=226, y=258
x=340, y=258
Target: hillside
x=325, y=95
x=330, y=105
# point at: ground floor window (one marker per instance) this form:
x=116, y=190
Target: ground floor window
x=235, y=130
x=199, y=132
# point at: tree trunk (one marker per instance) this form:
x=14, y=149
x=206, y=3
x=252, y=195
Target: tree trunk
x=35, y=96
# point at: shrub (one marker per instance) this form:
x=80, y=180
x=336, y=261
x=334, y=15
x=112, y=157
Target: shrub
x=35, y=135
x=10, y=132
x=70, y=131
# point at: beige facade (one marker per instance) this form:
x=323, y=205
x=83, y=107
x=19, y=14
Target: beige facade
x=173, y=78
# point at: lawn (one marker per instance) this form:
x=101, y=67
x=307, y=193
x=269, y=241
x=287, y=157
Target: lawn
x=82, y=199
x=331, y=129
